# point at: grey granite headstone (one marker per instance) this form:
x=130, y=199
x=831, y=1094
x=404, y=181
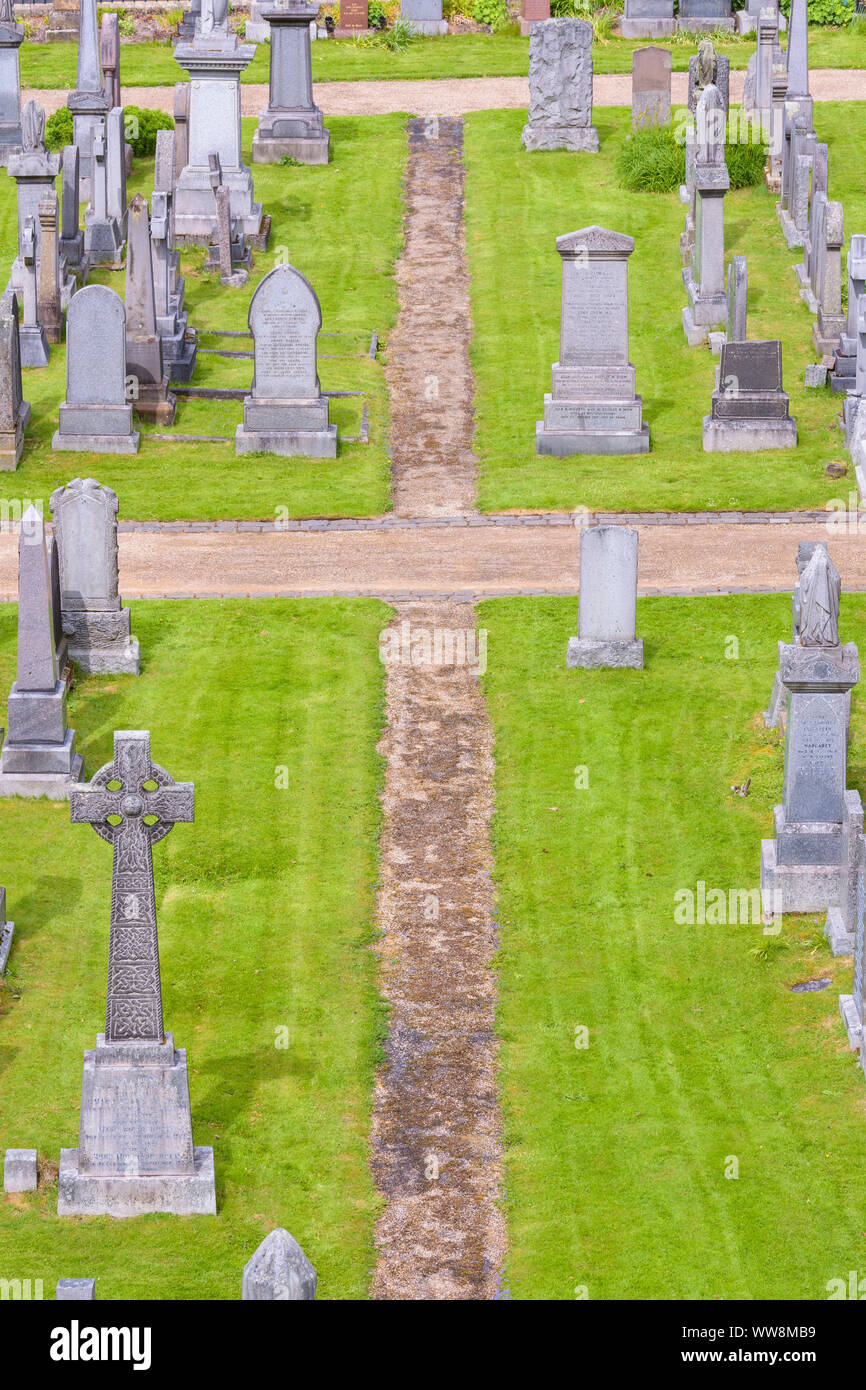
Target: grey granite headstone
x=48, y=298
x=286, y=412
x=738, y=299
x=96, y=416
x=71, y=232
x=85, y=531
x=33, y=343
x=801, y=867
x=151, y=397
x=798, y=57
x=844, y=372
x=14, y=410
x=38, y=757
x=279, y=1271
x=75, y=1290
x=115, y=168
x=20, y=1173
x=7, y=932
x=650, y=87
x=750, y=408
x=181, y=128
x=135, y=1151
x=840, y=927
x=592, y=408
x=608, y=592
x=831, y=321
x=704, y=279
x=215, y=60
x=853, y=1006
x=11, y=39
x=103, y=239
x=179, y=346
x=793, y=209
x=88, y=103
x=560, y=87
x=705, y=15
x=424, y=16
x=648, y=19
x=817, y=198
x=291, y=127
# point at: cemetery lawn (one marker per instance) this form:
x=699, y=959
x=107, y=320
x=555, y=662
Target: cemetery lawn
x=341, y=226
x=516, y=206
x=265, y=907
x=620, y=1155
x=451, y=55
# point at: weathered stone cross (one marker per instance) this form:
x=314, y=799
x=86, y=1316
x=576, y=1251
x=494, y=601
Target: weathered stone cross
x=132, y=803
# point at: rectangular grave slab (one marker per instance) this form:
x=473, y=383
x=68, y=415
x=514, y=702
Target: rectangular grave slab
x=424, y=16
x=20, y=1170
x=749, y=407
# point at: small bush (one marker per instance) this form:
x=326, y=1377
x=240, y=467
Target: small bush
x=126, y=25
x=491, y=12
x=652, y=161
x=141, y=127
x=58, y=129
x=833, y=12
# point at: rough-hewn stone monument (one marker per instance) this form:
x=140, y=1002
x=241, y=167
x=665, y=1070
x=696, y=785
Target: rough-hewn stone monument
x=560, y=87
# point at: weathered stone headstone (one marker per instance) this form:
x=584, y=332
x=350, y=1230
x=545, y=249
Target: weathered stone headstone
x=71, y=233
x=256, y=29
x=844, y=372
x=648, y=19
x=189, y=19
x=215, y=61
x=748, y=18
x=96, y=416
x=48, y=306
x=75, y=1290
x=840, y=927
x=592, y=408
x=704, y=279
x=560, y=87
x=354, y=16
x=228, y=252
x=38, y=757
x=88, y=103
x=291, y=126
x=286, y=413
x=750, y=409
x=20, y=1173
x=33, y=343
x=852, y=1006
x=279, y=1271
x=424, y=16
x=705, y=15
x=14, y=410
x=34, y=171
x=827, y=278
x=607, y=600
x=11, y=39
x=135, y=1150
x=738, y=299
x=795, y=217
x=151, y=398
x=800, y=867
x=181, y=128
x=650, y=87
x=817, y=198
x=115, y=169
x=776, y=132
x=103, y=239
x=7, y=932
x=85, y=534
x=179, y=347
x=109, y=55
x=798, y=58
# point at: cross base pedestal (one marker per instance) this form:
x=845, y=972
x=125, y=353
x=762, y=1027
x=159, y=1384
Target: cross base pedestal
x=86, y=1194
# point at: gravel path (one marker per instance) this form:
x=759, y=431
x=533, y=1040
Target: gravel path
x=455, y=96
x=442, y=560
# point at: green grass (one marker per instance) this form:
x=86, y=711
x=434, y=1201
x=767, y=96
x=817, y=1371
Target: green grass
x=341, y=225
x=265, y=906
x=517, y=205
x=451, y=55
x=616, y=1154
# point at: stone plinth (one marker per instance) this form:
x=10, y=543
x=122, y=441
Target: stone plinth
x=560, y=87
x=749, y=409
x=214, y=62
x=75, y=1290
x=20, y=1170
x=291, y=126
x=592, y=408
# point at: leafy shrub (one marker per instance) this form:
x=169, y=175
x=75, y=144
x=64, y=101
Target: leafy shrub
x=58, y=129
x=491, y=12
x=652, y=161
x=141, y=127
x=835, y=12
x=126, y=25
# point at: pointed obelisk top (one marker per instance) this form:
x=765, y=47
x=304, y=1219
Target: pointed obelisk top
x=89, y=77
x=37, y=654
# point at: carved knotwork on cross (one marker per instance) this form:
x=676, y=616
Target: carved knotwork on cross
x=132, y=803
